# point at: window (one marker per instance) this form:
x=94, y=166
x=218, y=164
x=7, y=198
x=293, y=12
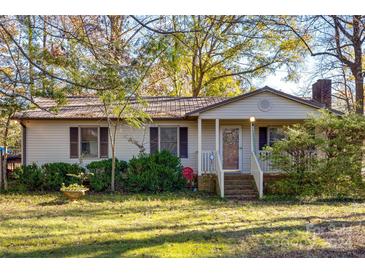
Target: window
x=173, y=139
x=275, y=134
x=89, y=142
x=168, y=139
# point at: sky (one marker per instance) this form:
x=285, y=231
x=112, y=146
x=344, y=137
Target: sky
x=302, y=87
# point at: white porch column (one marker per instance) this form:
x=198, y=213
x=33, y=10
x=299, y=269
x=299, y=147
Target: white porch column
x=199, y=146
x=217, y=135
x=253, y=137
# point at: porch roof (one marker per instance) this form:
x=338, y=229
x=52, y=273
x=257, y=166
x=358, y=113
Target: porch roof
x=308, y=102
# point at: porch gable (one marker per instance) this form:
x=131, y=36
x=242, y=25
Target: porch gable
x=263, y=104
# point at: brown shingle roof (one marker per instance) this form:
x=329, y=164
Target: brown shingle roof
x=78, y=107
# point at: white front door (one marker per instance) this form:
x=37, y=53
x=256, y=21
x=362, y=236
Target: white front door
x=230, y=149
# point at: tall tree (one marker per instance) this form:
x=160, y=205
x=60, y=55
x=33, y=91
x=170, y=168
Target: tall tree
x=218, y=55
x=339, y=38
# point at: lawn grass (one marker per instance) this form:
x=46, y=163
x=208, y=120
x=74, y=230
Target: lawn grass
x=176, y=225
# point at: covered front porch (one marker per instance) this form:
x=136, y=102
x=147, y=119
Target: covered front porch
x=236, y=146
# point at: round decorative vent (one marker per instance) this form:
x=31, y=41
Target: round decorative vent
x=264, y=105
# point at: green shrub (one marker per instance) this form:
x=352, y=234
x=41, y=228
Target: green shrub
x=154, y=173
x=31, y=175
x=289, y=187
x=48, y=177
x=57, y=173
x=14, y=186
x=295, y=157
x=335, y=170
x=100, y=178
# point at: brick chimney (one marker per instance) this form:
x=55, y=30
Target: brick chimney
x=321, y=92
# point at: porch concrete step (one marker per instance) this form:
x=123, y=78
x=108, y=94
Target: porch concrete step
x=242, y=197
x=240, y=192
x=238, y=182
x=238, y=187
x=238, y=176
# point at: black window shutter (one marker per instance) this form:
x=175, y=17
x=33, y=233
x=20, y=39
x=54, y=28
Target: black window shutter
x=74, y=142
x=153, y=139
x=183, y=142
x=262, y=137
x=104, y=144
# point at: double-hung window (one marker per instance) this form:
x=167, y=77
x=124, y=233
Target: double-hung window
x=171, y=138
x=89, y=142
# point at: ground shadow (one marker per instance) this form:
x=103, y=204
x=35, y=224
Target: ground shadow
x=125, y=247
x=55, y=202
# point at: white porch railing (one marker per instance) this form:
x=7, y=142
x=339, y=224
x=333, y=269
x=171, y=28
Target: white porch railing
x=208, y=161
x=257, y=173
x=265, y=162
x=264, y=158
x=211, y=163
x=220, y=173
x=256, y=170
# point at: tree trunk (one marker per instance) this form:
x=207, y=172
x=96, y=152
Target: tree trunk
x=112, y=183
x=197, y=83
x=5, y=171
x=112, y=129
x=113, y=141
x=357, y=68
x=359, y=108
x=359, y=88
x=194, y=74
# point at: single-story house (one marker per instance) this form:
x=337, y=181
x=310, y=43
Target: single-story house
x=210, y=134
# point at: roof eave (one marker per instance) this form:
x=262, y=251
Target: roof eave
x=93, y=118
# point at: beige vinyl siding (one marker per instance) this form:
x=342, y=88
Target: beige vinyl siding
x=281, y=108
x=49, y=141
x=208, y=135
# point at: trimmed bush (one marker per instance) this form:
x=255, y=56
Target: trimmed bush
x=102, y=171
x=55, y=174
x=31, y=176
x=154, y=173
x=49, y=177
